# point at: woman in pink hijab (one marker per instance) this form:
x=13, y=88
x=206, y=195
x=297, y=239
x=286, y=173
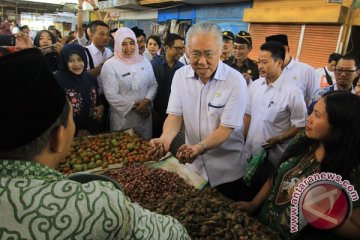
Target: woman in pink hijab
x=129, y=86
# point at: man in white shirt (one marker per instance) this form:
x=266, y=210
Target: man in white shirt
x=326, y=74
x=210, y=98
x=300, y=74
x=275, y=110
x=98, y=51
x=83, y=37
x=184, y=59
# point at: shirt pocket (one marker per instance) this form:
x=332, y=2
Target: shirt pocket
x=125, y=82
x=275, y=114
x=215, y=109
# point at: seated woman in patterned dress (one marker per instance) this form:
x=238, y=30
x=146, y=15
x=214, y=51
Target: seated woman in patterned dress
x=81, y=89
x=330, y=144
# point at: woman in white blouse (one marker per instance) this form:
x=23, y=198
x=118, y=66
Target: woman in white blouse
x=129, y=86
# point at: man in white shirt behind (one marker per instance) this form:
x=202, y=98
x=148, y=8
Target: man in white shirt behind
x=326, y=74
x=298, y=73
x=275, y=111
x=99, y=53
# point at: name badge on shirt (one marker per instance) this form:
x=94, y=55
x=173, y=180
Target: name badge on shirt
x=134, y=83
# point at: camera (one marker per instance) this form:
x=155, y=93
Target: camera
x=7, y=40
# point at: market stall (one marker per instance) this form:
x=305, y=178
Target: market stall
x=166, y=187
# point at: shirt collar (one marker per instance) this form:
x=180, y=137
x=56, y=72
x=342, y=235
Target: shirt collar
x=352, y=88
x=291, y=63
x=29, y=170
x=95, y=50
x=245, y=63
x=220, y=72
x=163, y=60
x=277, y=84
x=177, y=64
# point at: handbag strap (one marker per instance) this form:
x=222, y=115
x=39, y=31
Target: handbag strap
x=328, y=77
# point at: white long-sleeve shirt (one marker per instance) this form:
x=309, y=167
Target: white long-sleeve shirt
x=123, y=86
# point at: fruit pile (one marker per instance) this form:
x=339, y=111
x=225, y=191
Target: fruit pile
x=207, y=214
x=146, y=185
x=99, y=151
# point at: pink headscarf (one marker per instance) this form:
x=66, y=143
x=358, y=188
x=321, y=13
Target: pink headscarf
x=120, y=35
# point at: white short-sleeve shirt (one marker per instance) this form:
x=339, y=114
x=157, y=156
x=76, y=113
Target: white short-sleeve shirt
x=303, y=76
x=98, y=58
x=273, y=109
x=321, y=76
x=83, y=41
x=204, y=107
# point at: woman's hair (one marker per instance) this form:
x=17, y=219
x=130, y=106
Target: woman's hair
x=155, y=38
x=342, y=151
x=38, y=35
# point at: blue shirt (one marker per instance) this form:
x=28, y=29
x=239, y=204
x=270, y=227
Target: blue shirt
x=164, y=76
x=318, y=94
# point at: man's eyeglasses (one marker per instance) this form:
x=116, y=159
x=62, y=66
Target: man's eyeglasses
x=197, y=55
x=179, y=49
x=346, y=71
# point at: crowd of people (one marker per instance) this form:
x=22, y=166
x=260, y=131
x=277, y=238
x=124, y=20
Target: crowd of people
x=228, y=108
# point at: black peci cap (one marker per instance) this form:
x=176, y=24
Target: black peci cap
x=31, y=100
x=138, y=32
x=280, y=38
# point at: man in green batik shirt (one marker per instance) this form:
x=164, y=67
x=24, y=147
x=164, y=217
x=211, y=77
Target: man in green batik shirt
x=38, y=202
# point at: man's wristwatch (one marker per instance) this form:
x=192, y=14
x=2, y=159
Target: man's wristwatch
x=204, y=146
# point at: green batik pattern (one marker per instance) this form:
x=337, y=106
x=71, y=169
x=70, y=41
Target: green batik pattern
x=29, y=170
x=37, y=202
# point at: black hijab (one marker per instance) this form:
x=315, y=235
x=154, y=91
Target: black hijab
x=83, y=84
x=66, y=78
x=65, y=54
